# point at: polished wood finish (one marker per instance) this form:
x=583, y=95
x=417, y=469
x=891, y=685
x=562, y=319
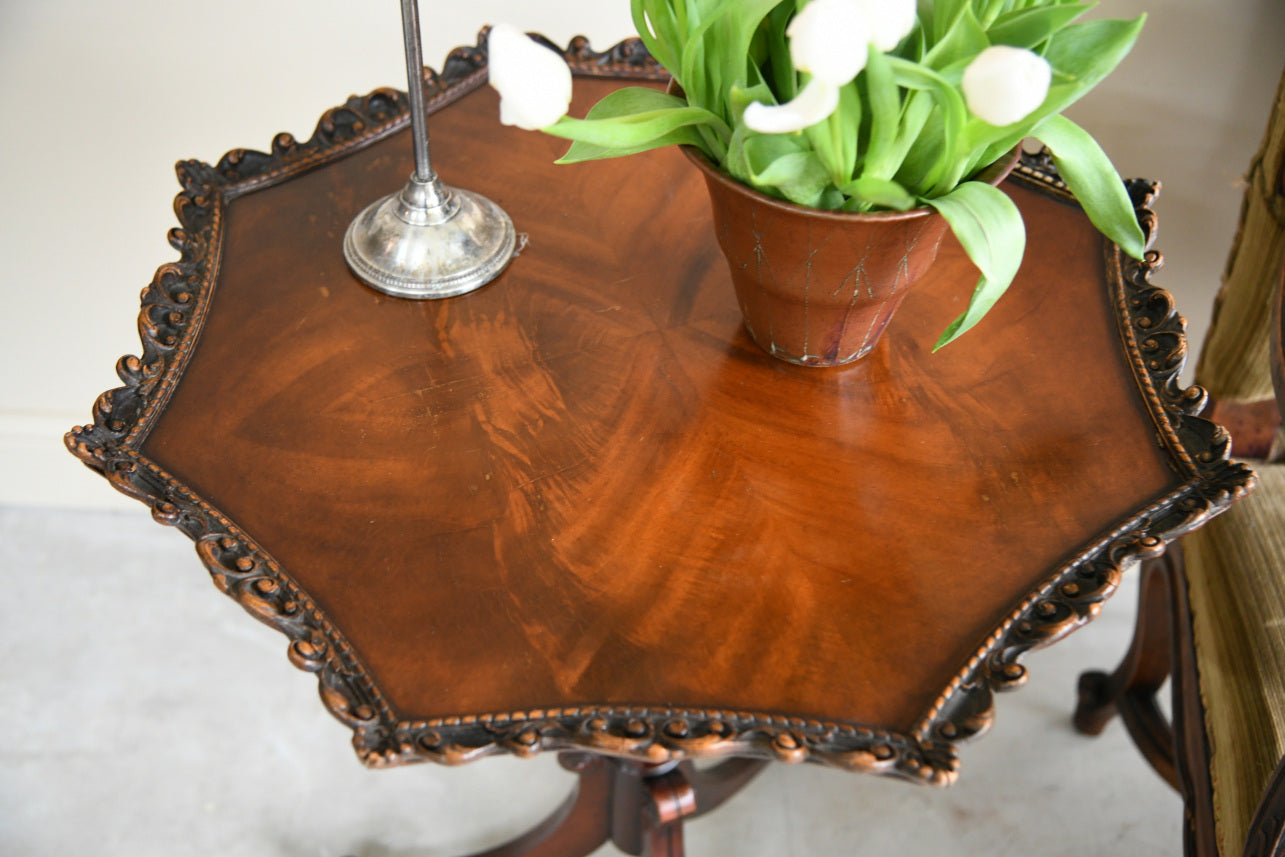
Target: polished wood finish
x=556, y=487
x=1131, y=690
x=578, y=508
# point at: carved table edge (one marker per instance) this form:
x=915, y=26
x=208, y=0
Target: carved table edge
x=1153, y=339
x=173, y=309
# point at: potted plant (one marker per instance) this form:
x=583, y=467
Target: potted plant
x=840, y=138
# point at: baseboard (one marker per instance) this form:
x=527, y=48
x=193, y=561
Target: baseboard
x=39, y=471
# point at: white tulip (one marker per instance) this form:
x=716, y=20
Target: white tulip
x=534, y=82
x=828, y=40
x=889, y=21
x=1003, y=84
x=814, y=103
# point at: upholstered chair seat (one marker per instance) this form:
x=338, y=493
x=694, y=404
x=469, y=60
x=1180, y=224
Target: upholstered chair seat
x=1236, y=583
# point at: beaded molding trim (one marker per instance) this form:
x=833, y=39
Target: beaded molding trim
x=173, y=310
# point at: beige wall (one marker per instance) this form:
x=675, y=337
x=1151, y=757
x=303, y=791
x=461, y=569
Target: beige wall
x=99, y=100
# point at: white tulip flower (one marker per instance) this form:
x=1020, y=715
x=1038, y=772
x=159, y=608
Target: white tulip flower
x=1003, y=84
x=534, y=82
x=814, y=103
x=828, y=40
x=889, y=21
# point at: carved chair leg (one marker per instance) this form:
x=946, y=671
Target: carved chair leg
x=1131, y=690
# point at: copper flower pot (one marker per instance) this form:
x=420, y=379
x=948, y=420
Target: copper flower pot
x=818, y=288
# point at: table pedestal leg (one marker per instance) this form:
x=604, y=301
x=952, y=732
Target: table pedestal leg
x=638, y=807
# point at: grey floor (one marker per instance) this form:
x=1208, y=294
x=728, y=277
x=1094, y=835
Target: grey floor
x=144, y=714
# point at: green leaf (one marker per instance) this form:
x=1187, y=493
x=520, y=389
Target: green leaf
x=965, y=40
x=716, y=51
x=658, y=30
x=1026, y=28
x=1088, y=52
x=580, y=152
x=629, y=134
x=631, y=100
x=631, y=120
x=989, y=227
x=989, y=10
x=944, y=14
x=798, y=176
x=914, y=46
x=915, y=110
x=680, y=15
x=743, y=19
x=831, y=199
x=783, y=77
x=741, y=97
x=759, y=151
x=918, y=108
x=881, y=193
x=941, y=144
x=736, y=163
x=884, y=101
x=1089, y=174
x=780, y=165
x=835, y=138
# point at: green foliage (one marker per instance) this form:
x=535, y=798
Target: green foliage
x=1090, y=176
x=902, y=135
x=989, y=228
x=632, y=120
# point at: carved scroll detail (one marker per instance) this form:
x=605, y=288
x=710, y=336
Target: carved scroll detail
x=1153, y=336
x=173, y=309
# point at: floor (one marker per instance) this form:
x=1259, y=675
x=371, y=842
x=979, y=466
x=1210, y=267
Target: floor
x=144, y=714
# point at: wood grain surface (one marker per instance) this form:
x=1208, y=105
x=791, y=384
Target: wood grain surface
x=584, y=485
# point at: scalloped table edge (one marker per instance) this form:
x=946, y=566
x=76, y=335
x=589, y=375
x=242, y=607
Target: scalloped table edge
x=1152, y=335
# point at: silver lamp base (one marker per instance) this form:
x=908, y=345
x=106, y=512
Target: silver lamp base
x=429, y=241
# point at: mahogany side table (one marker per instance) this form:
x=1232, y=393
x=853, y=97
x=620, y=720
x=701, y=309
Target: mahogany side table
x=579, y=510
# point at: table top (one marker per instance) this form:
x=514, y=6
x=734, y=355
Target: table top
x=580, y=508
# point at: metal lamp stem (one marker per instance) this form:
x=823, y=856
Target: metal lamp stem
x=415, y=89
x=427, y=240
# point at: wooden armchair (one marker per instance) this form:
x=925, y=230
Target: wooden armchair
x=1212, y=612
